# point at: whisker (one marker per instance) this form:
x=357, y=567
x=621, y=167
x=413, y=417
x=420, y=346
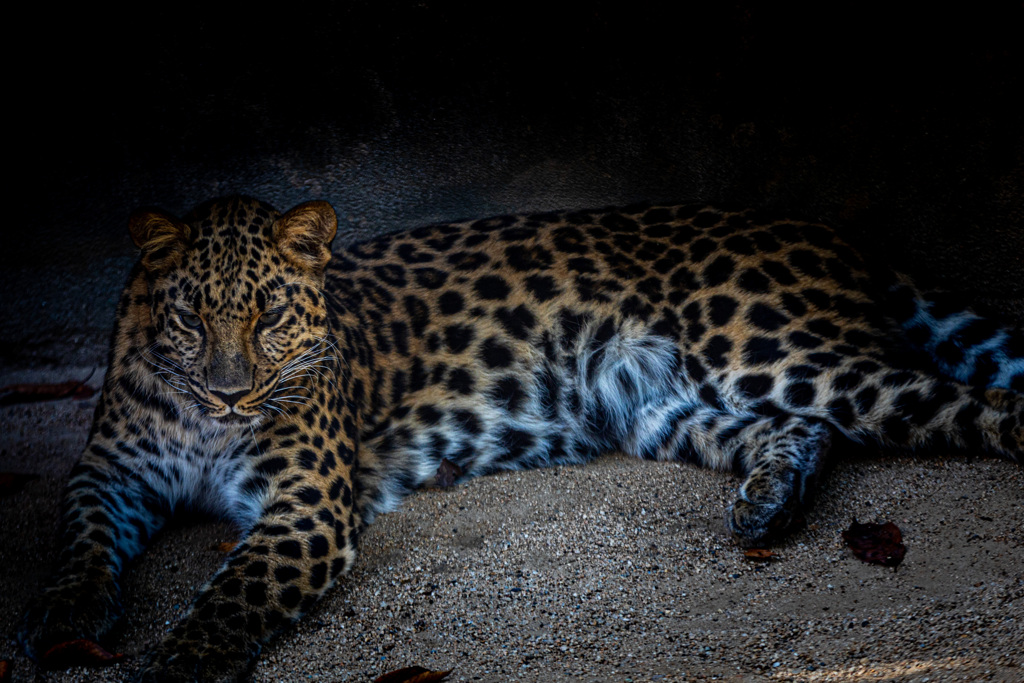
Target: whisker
x=254, y=441
x=290, y=388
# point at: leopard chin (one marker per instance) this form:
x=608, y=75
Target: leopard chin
x=236, y=419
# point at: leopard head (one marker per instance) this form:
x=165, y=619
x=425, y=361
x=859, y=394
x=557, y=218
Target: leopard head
x=238, y=318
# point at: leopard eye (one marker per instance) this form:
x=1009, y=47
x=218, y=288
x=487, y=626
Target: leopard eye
x=190, y=320
x=270, y=318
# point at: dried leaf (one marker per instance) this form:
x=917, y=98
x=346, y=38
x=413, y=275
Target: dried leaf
x=447, y=473
x=80, y=652
x=31, y=393
x=876, y=543
x=12, y=482
x=412, y=674
x=760, y=554
x=5, y=671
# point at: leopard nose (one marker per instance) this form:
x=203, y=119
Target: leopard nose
x=229, y=399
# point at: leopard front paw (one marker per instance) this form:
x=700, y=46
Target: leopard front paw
x=755, y=523
x=184, y=658
x=85, y=608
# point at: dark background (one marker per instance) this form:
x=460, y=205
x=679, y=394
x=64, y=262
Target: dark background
x=903, y=129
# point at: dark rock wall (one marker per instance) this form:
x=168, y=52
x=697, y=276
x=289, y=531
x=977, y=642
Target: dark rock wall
x=902, y=128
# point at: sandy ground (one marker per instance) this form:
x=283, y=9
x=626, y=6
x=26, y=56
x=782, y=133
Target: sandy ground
x=617, y=571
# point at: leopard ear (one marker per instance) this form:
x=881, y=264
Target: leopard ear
x=160, y=237
x=304, y=234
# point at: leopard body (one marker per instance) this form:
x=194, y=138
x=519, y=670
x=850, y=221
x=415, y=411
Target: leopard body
x=255, y=377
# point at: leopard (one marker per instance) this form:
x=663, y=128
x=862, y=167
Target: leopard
x=299, y=392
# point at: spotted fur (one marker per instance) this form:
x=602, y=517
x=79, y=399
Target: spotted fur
x=252, y=378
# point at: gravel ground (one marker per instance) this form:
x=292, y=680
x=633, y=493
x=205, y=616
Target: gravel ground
x=617, y=571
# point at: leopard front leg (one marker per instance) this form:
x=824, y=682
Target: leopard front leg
x=108, y=515
x=304, y=539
